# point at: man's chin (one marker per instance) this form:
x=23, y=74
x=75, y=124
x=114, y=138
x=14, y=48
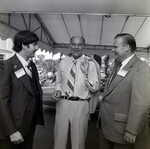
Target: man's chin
x=76, y=56
x=31, y=56
x=116, y=56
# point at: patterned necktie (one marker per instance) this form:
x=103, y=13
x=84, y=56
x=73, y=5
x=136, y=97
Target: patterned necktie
x=29, y=70
x=71, y=81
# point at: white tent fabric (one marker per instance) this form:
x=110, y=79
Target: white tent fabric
x=77, y=6
x=8, y=32
x=91, y=26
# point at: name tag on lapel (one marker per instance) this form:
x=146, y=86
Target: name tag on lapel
x=19, y=73
x=122, y=73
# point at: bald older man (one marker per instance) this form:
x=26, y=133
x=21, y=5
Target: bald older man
x=76, y=79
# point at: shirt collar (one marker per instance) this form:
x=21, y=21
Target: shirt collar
x=126, y=61
x=77, y=60
x=22, y=60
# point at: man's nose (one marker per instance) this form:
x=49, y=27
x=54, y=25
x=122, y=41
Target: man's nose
x=36, y=47
x=76, y=46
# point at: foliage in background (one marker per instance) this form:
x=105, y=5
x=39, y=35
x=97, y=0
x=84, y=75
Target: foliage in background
x=47, y=70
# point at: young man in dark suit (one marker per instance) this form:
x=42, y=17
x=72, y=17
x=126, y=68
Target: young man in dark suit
x=126, y=101
x=20, y=95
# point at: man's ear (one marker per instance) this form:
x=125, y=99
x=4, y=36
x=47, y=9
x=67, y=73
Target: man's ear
x=24, y=46
x=127, y=48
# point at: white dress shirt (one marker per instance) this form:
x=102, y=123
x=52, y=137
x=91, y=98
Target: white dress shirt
x=81, y=87
x=126, y=61
x=25, y=64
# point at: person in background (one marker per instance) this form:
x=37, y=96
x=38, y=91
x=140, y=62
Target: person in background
x=95, y=96
x=20, y=95
x=125, y=106
x=76, y=79
x=97, y=60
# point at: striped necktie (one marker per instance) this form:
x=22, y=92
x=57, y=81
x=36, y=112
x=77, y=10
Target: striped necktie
x=29, y=69
x=71, y=81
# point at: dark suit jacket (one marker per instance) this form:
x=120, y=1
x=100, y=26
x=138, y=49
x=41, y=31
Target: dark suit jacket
x=126, y=103
x=18, y=104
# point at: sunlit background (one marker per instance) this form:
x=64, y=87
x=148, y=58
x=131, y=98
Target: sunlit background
x=8, y=45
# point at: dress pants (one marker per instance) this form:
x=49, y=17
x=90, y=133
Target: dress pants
x=143, y=142
x=27, y=143
x=75, y=113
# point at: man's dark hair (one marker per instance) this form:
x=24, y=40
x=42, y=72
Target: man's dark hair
x=128, y=39
x=24, y=37
x=77, y=36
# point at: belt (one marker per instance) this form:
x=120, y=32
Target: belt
x=73, y=98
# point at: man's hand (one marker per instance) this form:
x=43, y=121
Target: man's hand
x=56, y=94
x=16, y=138
x=130, y=138
x=85, y=66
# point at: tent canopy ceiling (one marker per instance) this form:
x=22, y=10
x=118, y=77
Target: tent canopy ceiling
x=98, y=21
x=77, y=6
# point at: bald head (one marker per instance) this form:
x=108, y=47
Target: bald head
x=77, y=45
x=78, y=37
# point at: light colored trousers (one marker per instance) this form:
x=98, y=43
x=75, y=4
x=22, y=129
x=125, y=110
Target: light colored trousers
x=75, y=113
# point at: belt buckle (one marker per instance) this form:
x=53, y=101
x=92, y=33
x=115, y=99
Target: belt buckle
x=64, y=97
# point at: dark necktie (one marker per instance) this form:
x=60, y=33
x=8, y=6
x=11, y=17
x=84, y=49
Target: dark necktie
x=117, y=67
x=29, y=69
x=71, y=81
x=29, y=66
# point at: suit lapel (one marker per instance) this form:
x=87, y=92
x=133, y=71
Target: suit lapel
x=16, y=65
x=119, y=78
